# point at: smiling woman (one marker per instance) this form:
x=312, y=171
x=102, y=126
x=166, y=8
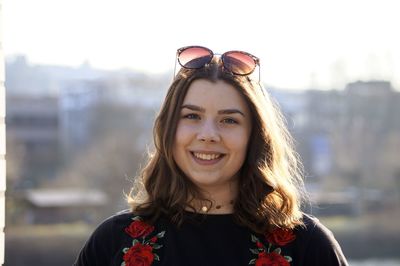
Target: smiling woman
x=223, y=186
x=211, y=138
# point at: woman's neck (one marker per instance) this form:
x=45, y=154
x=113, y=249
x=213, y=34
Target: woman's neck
x=219, y=200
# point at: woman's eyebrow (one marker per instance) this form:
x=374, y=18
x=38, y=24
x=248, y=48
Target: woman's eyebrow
x=201, y=109
x=193, y=107
x=231, y=111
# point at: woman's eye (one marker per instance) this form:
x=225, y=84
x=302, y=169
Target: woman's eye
x=229, y=121
x=191, y=116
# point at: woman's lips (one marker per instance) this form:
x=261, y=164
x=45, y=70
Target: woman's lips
x=207, y=158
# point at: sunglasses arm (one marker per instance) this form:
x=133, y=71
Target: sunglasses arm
x=176, y=59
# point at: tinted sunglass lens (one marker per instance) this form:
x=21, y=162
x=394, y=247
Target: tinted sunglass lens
x=239, y=63
x=194, y=57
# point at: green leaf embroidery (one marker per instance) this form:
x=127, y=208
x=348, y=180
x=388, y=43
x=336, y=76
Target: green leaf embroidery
x=157, y=246
x=135, y=241
x=288, y=258
x=123, y=263
x=254, y=251
x=254, y=239
x=278, y=251
x=137, y=218
x=156, y=257
x=253, y=261
x=161, y=234
x=125, y=250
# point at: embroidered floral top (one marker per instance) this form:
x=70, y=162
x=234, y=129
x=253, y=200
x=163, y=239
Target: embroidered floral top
x=207, y=240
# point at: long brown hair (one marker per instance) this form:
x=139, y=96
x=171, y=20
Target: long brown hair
x=270, y=183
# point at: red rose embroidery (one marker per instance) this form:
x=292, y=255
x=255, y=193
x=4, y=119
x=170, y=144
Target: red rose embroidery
x=139, y=229
x=139, y=255
x=281, y=237
x=259, y=245
x=271, y=259
x=270, y=255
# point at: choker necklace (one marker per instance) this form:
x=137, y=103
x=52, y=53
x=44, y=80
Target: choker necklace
x=204, y=208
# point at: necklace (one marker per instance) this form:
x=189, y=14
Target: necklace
x=204, y=208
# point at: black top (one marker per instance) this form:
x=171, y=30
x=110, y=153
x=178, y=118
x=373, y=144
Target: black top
x=207, y=240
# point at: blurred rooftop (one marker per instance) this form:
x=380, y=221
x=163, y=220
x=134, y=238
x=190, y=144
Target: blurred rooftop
x=66, y=197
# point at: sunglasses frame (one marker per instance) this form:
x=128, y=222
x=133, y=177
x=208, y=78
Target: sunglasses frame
x=223, y=59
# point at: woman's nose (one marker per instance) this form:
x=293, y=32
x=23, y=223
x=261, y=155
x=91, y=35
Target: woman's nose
x=208, y=132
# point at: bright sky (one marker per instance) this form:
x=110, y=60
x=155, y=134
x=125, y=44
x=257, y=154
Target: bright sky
x=300, y=43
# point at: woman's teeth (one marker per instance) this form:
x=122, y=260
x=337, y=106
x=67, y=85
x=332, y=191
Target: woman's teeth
x=207, y=157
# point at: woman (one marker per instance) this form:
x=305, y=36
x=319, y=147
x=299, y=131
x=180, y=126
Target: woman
x=223, y=186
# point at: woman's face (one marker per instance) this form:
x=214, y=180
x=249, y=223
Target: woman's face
x=212, y=134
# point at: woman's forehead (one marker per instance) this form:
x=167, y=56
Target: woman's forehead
x=219, y=93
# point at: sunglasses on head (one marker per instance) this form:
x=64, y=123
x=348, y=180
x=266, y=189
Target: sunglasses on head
x=236, y=62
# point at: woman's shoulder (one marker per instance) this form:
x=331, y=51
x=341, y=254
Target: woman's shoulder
x=121, y=217
x=114, y=222
x=313, y=230
x=104, y=242
x=310, y=223
x=316, y=244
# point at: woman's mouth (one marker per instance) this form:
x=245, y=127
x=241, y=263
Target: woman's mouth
x=207, y=158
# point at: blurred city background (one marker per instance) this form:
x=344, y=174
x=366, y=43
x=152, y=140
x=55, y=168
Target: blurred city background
x=85, y=79
x=76, y=137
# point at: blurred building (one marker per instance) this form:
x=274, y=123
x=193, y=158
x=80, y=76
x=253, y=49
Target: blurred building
x=77, y=102
x=47, y=206
x=347, y=141
x=23, y=78
x=33, y=125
